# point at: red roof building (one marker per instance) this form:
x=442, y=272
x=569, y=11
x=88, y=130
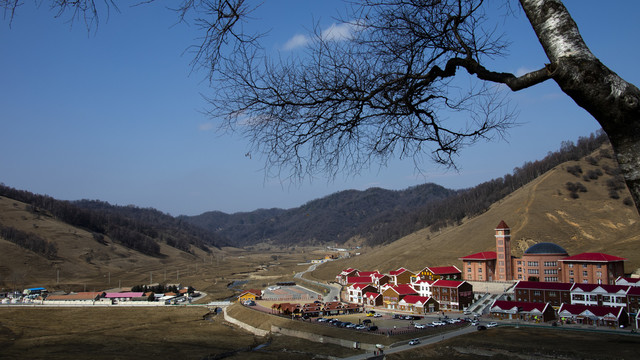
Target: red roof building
x=592, y=268
x=373, y=299
x=392, y=295
x=540, y=292
x=400, y=276
x=440, y=272
x=538, y=312
x=419, y=304
x=594, y=315
x=452, y=294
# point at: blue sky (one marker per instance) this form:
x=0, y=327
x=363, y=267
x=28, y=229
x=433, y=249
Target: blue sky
x=116, y=114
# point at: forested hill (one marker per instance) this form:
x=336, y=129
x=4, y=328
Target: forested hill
x=333, y=219
x=381, y=216
x=135, y=228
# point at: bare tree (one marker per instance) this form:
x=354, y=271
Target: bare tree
x=387, y=87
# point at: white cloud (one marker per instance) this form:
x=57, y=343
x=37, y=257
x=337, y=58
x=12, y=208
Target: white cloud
x=296, y=41
x=338, y=32
x=335, y=32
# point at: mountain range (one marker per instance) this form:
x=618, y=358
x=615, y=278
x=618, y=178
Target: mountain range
x=573, y=197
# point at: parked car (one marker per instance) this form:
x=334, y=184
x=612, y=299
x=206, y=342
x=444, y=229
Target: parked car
x=366, y=321
x=481, y=327
x=377, y=315
x=360, y=327
x=414, y=341
x=419, y=326
x=475, y=323
x=373, y=328
x=492, y=324
x=439, y=323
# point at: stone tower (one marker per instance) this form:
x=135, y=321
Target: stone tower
x=503, y=252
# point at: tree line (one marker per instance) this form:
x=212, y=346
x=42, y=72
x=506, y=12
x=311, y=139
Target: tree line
x=29, y=241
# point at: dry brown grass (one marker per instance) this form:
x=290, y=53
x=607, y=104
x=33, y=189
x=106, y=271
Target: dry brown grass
x=131, y=333
x=528, y=343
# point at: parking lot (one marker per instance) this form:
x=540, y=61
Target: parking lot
x=289, y=293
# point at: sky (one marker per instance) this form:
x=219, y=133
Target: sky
x=116, y=114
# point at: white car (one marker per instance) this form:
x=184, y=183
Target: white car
x=492, y=324
x=377, y=315
x=414, y=341
x=271, y=288
x=419, y=326
x=439, y=323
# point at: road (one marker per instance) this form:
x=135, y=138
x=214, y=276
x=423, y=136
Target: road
x=423, y=342
x=334, y=290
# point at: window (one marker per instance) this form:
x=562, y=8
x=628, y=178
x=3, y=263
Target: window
x=501, y=256
x=570, y=266
x=550, y=264
x=519, y=269
x=552, y=293
x=500, y=242
x=533, y=271
x=599, y=266
x=571, y=280
x=532, y=263
x=550, y=271
x=519, y=276
x=585, y=273
x=469, y=270
x=536, y=292
x=585, y=281
x=571, y=272
x=599, y=273
x=584, y=266
x=479, y=277
x=519, y=262
x=501, y=263
x=479, y=269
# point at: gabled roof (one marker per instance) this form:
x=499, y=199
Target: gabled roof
x=502, y=225
x=485, y=255
x=593, y=257
x=378, y=276
x=124, y=295
x=536, y=285
x=448, y=283
x=621, y=280
x=588, y=310
x=371, y=295
x=368, y=273
x=358, y=279
x=443, y=270
x=397, y=272
x=255, y=292
x=347, y=271
x=415, y=299
x=404, y=289
x=519, y=306
x=361, y=286
x=609, y=289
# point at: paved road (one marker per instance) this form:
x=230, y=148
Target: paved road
x=423, y=342
x=334, y=290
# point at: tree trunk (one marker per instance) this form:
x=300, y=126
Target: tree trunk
x=612, y=101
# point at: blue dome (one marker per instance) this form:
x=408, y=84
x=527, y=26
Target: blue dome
x=546, y=248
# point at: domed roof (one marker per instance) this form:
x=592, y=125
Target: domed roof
x=546, y=248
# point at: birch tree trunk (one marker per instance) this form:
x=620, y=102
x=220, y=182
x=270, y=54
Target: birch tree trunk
x=612, y=101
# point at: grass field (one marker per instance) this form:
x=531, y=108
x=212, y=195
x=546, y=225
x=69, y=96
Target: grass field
x=528, y=343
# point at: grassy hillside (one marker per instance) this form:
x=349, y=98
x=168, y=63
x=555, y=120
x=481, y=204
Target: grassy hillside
x=543, y=210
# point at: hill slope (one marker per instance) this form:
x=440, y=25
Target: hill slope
x=543, y=210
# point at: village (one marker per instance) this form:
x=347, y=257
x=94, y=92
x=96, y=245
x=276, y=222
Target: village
x=585, y=289
x=493, y=288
